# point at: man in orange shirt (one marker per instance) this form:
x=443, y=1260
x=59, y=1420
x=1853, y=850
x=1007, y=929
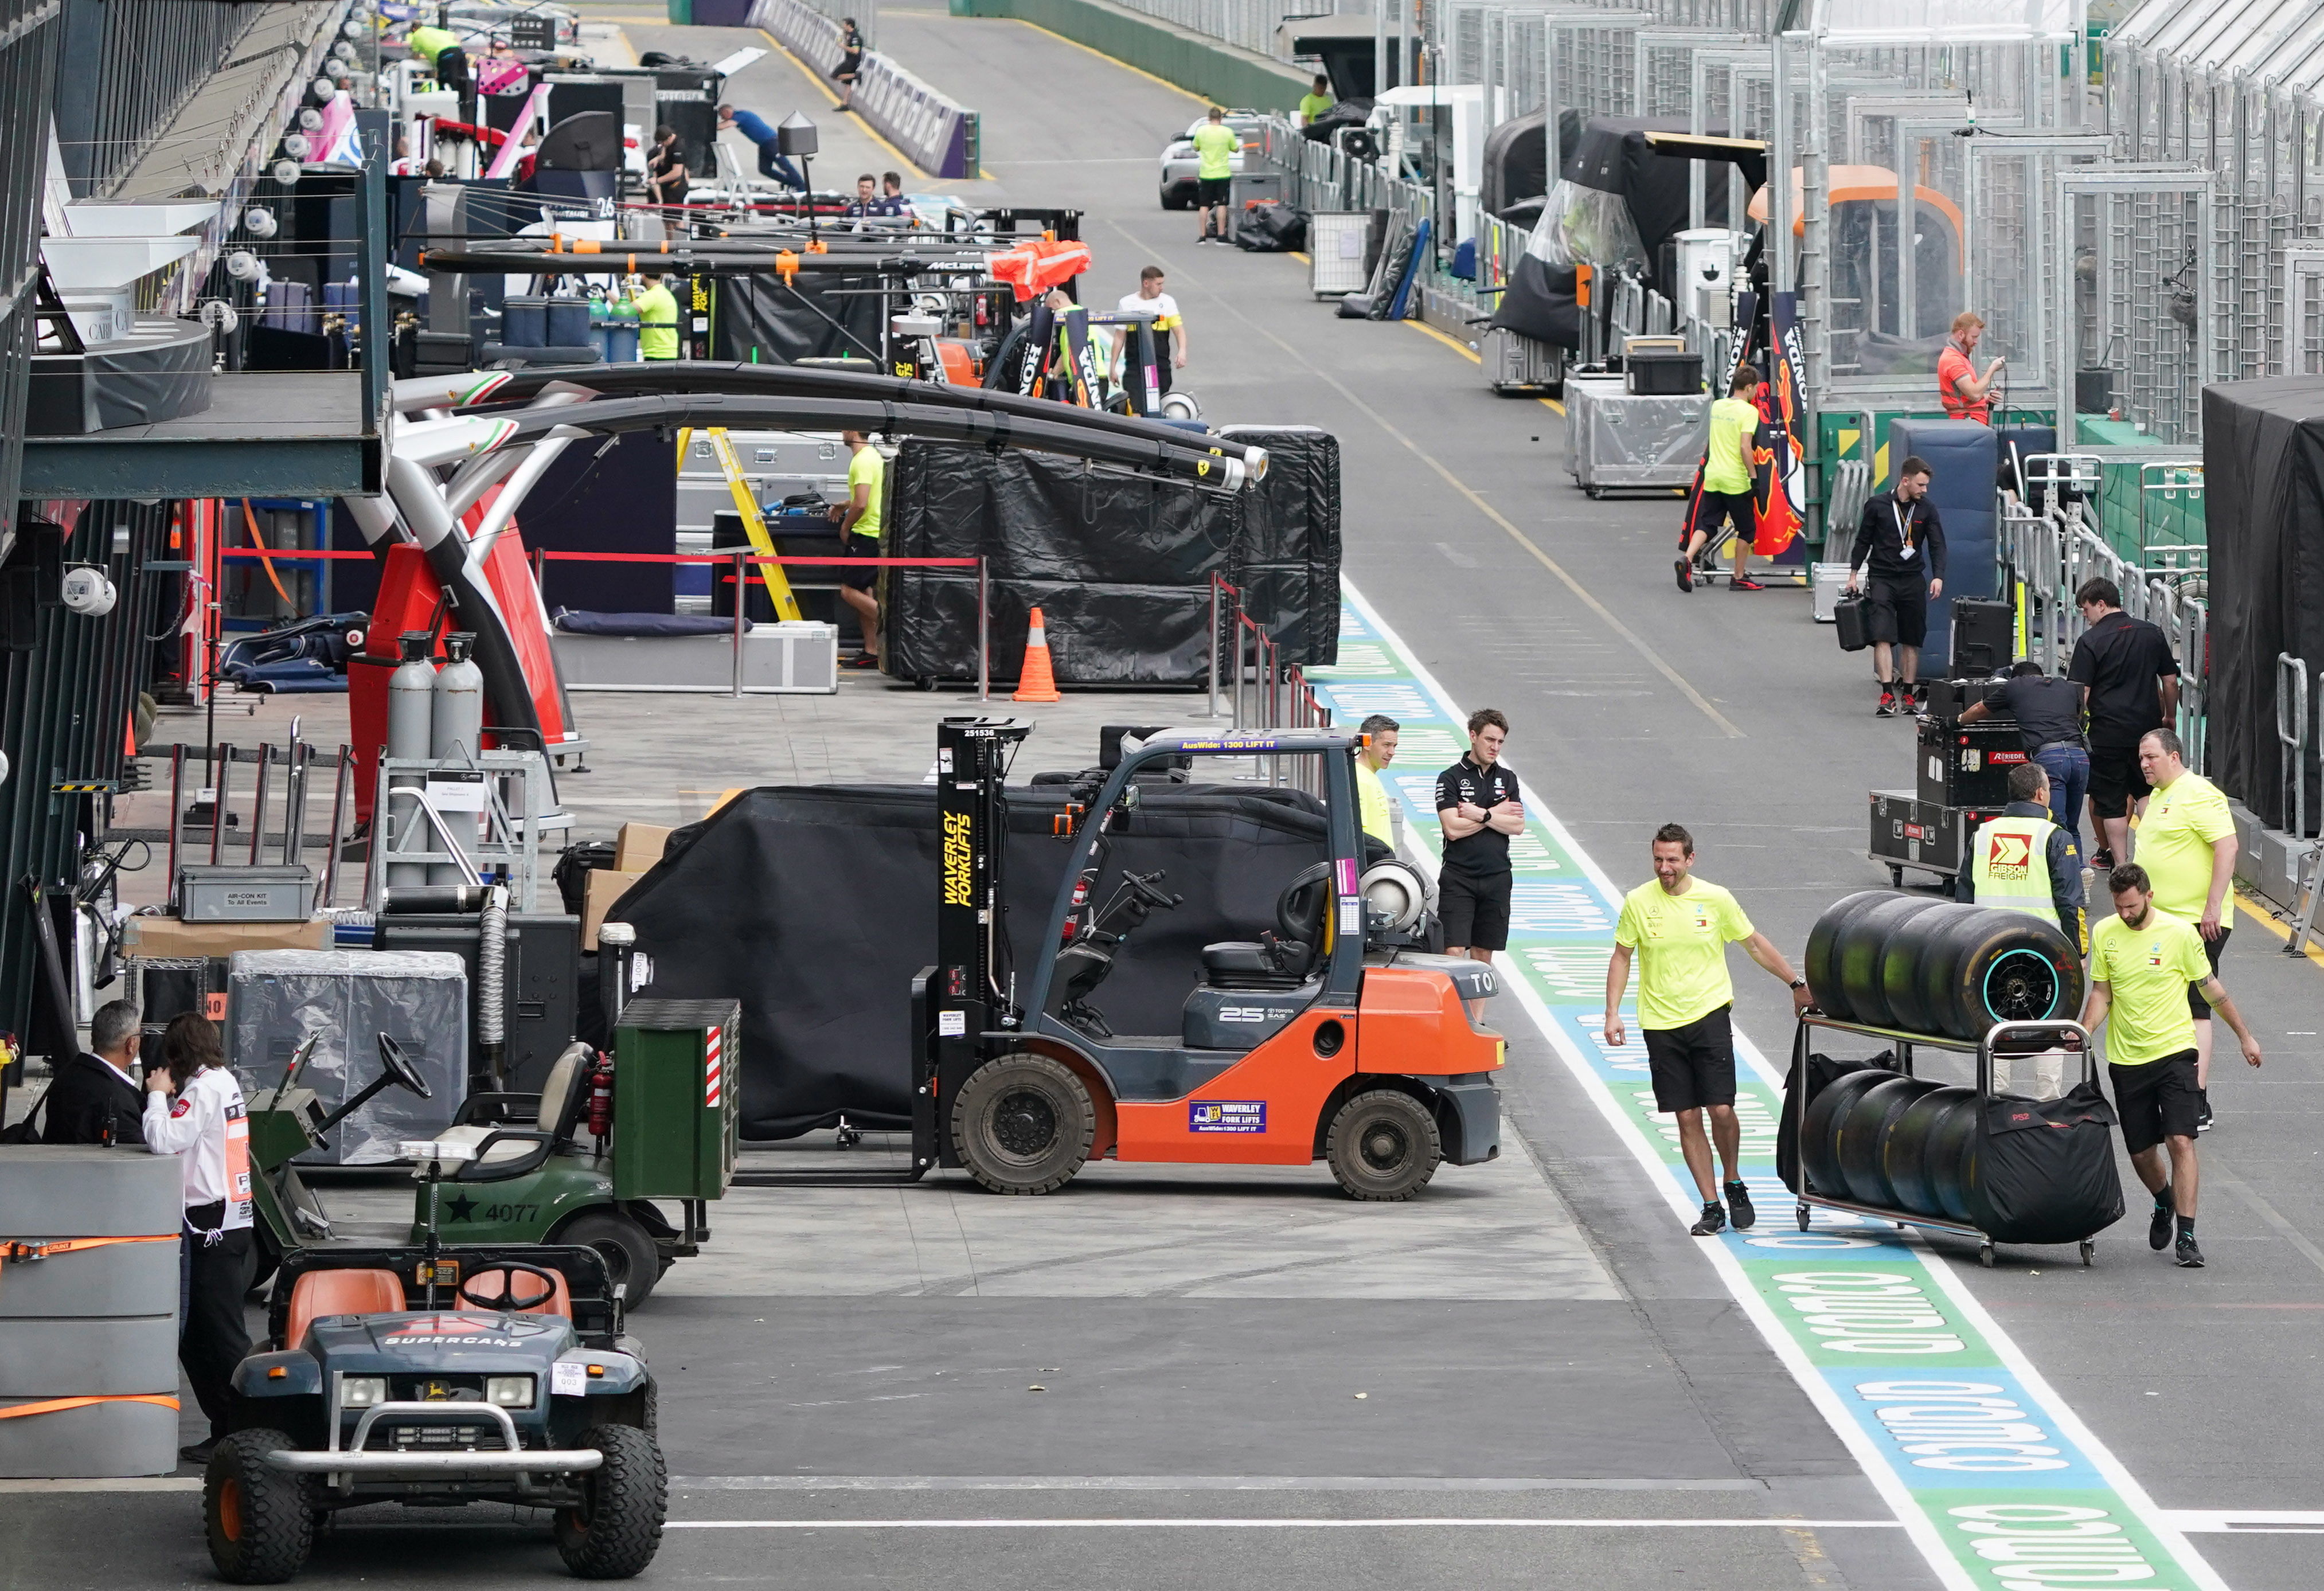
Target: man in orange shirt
x=1963, y=392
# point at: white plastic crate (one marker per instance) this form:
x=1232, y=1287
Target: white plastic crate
x=1335, y=252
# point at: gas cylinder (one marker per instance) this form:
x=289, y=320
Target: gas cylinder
x=410, y=714
x=456, y=737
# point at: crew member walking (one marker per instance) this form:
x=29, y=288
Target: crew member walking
x=1964, y=393
x=1678, y=927
x=851, y=62
x=94, y=1099
x=2049, y=714
x=1900, y=542
x=1381, y=819
x=1477, y=803
x=2187, y=845
x=1215, y=144
x=2144, y=962
x=1726, y=494
x=859, y=538
x=2130, y=684
x=1170, y=345
x=209, y=1131
x=2022, y=861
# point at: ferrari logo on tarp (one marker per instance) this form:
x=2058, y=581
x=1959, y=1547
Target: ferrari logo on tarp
x=2010, y=856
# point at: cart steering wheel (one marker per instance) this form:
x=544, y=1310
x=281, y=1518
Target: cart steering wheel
x=398, y=1065
x=507, y=1300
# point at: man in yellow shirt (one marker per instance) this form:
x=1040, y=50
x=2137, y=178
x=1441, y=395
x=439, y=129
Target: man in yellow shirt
x=2187, y=845
x=1375, y=807
x=657, y=308
x=859, y=538
x=1680, y=927
x=1726, y=492
x=2143, y=963
x=1316, y=101
x=1216, y=145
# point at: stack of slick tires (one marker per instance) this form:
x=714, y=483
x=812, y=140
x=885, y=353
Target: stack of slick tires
x=88, y=1312
x=1887, y=958
x=2018, y=1169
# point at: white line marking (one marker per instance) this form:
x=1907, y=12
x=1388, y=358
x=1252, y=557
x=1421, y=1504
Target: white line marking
x=1451, y=1521
x=1189, y=1483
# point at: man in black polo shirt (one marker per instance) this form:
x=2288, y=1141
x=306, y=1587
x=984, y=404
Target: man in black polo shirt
x=2049, y=714
x=2130, y=684
x=1477, y=804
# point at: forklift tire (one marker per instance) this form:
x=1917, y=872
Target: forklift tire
x=617, y=1528
x=629, y=1250
x=1023, y=1123
x=256, y=1516
x=1383, y=1146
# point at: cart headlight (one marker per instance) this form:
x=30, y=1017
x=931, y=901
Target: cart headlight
x=361, y=1391
x=508, y=1391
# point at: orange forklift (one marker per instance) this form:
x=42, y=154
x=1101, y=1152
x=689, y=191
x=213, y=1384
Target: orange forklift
x=1334, y=1036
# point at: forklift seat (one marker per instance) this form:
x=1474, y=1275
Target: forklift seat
x=1274, y=963
x=318, y=1294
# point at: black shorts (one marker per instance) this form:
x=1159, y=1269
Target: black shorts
x=1900, y=610
x=849, y=68
x=853, y=546
x=1693, y=1066
x=2197, y=1005
x=2115, y=783
x=2157, y=1101
x=1212, y=190
x=1740, y=506
x=1475, y=912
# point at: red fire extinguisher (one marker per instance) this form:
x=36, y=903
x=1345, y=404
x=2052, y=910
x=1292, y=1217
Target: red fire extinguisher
x=600, y=1099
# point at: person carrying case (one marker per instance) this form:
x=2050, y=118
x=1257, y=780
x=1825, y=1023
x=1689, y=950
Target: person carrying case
x=1852, y=617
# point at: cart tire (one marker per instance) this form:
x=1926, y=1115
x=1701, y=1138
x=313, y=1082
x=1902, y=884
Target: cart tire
x=1951, y=1160
x=1383, y=1146
x=1822, y=969
x=1860, y=953
x=1861, y=1144
x=257, y=1517
x=1895, y=877
x=628, y=1249
x=1820, y=1127
x=1985, y=1255
x=2088, y=1249
x=1909, y=1160
x=617, y=1528
x=1901, y=954
x=1023, y=1123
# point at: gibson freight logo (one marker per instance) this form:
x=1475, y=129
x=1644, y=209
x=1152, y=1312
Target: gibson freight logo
x=956, y=889
x=2012, y=857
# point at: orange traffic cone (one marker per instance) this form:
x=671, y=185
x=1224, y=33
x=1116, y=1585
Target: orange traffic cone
x=1036, y=683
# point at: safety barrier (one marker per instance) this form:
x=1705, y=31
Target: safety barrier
x=937, y=135
x=1263, y=693
x=1194, y=59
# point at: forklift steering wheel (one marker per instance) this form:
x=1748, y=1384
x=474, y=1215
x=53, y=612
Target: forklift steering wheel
x=398, y=1065
x=1143, y=885
x=508, y=1302
x=1299, y=909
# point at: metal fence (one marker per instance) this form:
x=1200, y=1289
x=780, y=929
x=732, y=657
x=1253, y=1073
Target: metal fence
x=137, y=62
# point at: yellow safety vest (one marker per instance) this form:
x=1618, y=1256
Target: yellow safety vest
x=2010, y=866
x=1372, y=804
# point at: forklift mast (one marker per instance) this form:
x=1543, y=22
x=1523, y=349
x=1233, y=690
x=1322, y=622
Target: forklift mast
x=970, y=990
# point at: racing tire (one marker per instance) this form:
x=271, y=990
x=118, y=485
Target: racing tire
x=1989, y=965
x=1023, y=1123
x=1950, y=1153
x=256, y=1516
x=1822, y=968
x=617, y=1528
x=1909, y=1158
x=1383, y=1146
x=1860, y=953
x=1862, y=1142
x=628, y=1249
x=1820, y=1128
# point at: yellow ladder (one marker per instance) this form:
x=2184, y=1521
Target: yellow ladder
x=754, y=524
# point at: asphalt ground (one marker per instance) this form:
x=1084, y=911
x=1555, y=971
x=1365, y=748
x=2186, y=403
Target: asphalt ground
x=826, y=1433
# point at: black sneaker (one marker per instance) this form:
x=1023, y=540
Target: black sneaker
x=1713, y=1222
x=2158, y=1230
x=2203, y=1112
x=199, y=1453
x=2102, y=860
x=1740, y=1208
x=2188, y=1256
x=1685, y=575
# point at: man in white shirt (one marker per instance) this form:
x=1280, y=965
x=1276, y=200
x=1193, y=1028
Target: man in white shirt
x=208, y=1130
x=1169, y=329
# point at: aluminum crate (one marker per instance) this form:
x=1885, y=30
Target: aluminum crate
x=1618, y=442
x=1338, y=252
x=1829, y=583
x=1518, y=363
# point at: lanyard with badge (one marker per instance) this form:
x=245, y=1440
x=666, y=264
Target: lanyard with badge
x=1904, y=524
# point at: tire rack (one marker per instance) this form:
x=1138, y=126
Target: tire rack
x=2071, y=1036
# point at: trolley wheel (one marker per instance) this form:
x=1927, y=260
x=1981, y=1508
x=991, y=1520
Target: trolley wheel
x=1895, y=877
x=2088, y=1249
x=1985, y=1254
x=1801, y=1215
x=848, y=1137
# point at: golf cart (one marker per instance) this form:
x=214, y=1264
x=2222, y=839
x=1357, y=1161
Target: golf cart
x=290, y=1123
x=434, y=1376
x=1338, y=1038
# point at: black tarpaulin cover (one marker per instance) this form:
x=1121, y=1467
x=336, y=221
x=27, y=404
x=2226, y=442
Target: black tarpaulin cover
x=1516, y=163
x=2263, y=515
x=815, y=905
x=1539, y=302
x=2044, y=1170
x=1120, y=565
x=814, y=317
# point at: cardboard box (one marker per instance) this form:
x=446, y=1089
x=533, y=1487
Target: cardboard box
x=638, y=847
x=153, y=938
x=606, y=885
